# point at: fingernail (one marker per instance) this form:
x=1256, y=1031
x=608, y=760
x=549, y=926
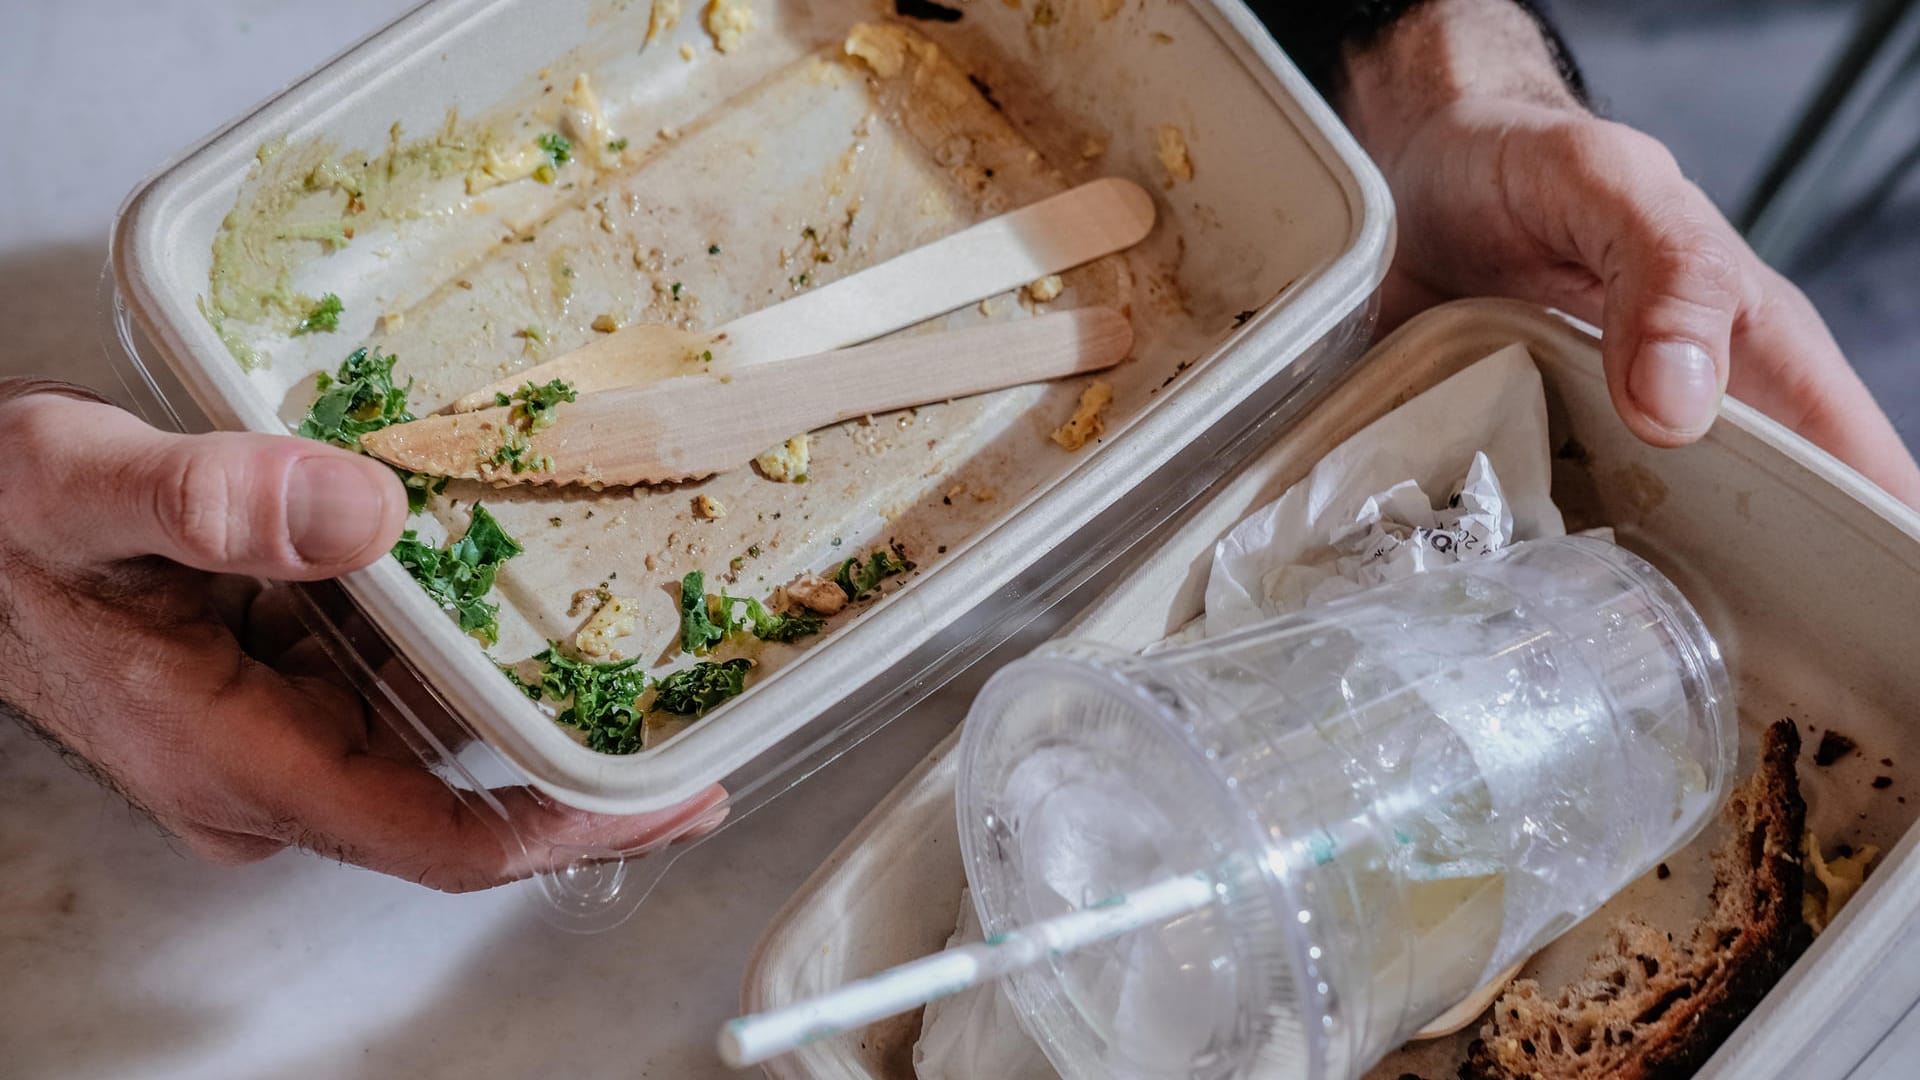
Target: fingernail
x=333, y=509
x=1675, y=384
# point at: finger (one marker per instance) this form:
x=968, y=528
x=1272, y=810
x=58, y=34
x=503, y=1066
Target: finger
x=1673, y=274
x=261, y=505
x=310, y=787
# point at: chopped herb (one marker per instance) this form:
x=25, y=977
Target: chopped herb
x=459, y=577
x=753, y=552
x=359, y=398
x=857, y=578
x=558, y=147
x=603, y=700
x=324, y=317
x=531, y=688
x=676, y=290
x=617, y=145
x=698, y=632
x=693, y=691
x=537, y=404
x=713, y=249
x=781, y=626
x=706, y=356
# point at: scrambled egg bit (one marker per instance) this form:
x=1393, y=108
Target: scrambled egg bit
x=1047, y=288
x=881, y=46
x=1839, y=878
x=612, y=620
x=817, y=594
x=1171, y=149
x=727, y=22
x=664, y=16
x=708, y=507
x=1087, y=421
x=586, y=125
x=787, y=463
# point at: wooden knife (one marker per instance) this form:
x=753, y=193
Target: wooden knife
x=691, y=426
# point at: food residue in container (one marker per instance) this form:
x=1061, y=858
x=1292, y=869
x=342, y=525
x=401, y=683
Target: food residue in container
x=1834, y=880
x=708, y=507
x=1093, y=147
x=613, y=619
x=727, y=22
x=586, y=125
x=816, y=594
x=605, y=323
x=1833, y=746
x=1170, y=146
x=664, y=16
x=788, y=462
x=1088, y=420
x=686, y=51
x=881, y=46
x=1046, y=289
x=1110, y=8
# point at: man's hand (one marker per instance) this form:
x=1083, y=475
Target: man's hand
x=1507, y=186
x=199, y=698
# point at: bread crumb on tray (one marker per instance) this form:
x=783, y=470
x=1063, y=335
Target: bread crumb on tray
x=1088, y=421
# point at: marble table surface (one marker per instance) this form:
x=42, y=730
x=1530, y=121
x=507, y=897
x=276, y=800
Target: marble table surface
x=121, y=956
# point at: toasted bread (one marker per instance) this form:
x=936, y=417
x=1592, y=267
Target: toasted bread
x=1649, y=1007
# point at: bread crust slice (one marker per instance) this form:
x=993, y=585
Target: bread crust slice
x=1649, y=1007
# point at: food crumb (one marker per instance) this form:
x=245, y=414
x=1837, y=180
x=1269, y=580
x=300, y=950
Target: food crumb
x=1882, y=783
x=1833, y=746
x=1110, y=8
x=788, y=462
x=880, y=46
x=985, y=494
x=987, y=307
x=1088, y=420
x=1046, y=289
x=606, y=324
x=708, y=507
x=728, y=21
x=1171, y=149
x=664, y=16
x=1093, y=148
x=392, y=321
x=686, y=51
x=1662, y=872
x=612, y=620
x=817, y=594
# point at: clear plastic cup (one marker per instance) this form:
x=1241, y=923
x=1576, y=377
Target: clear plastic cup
x=1401, y=794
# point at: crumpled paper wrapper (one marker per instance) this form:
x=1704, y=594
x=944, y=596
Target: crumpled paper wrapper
x=1368, y=514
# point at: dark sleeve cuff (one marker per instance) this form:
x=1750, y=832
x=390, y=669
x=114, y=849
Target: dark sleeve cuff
x=1315, y=34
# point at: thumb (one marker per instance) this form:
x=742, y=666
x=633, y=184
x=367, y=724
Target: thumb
x=1672, y=297
x=112, y=487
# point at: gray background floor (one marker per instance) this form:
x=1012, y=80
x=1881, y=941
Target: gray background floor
x=1721, y=81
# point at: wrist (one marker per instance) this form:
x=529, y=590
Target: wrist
x=1444, y=52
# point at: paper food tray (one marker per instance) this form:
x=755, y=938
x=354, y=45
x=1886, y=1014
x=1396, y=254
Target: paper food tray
x=1805, y=573
x=1252, y=291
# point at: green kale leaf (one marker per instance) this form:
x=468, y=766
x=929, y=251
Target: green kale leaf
x=857, y=578
x=362, y=397
x=459, y=577
x=780, y=626
x=325, y=316
x=694, y=690
x=698, y=632
x=603, y=700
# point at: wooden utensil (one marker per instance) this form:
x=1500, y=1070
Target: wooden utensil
x=1002, y=253
x=695, y=425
